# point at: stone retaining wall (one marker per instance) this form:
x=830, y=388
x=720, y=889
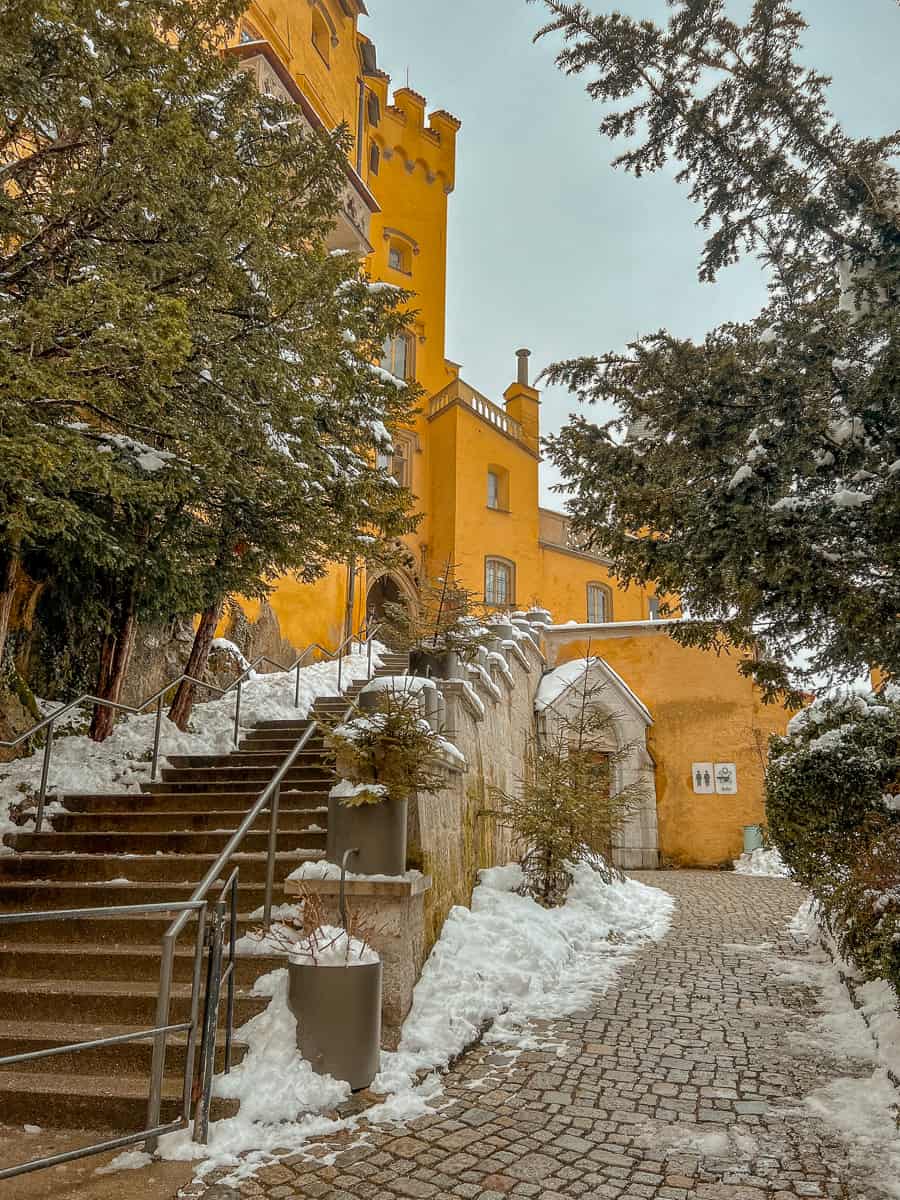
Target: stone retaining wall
x=489, y=718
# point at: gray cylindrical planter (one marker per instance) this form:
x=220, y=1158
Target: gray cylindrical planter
x=378, y=831
x=501, y=629
x=338, y=1011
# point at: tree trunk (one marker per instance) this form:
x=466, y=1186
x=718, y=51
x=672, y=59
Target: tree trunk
x=180, y=712
x=115, y=655
x=8, y=579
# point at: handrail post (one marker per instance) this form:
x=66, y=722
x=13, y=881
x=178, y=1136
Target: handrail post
x=158, y=1064
x=237, y=711
x=369, y=665
x=340, y=668
x=154, y=764
x=297, y=684
x=270, y=863
x=45, y=772
x=232, y=959
x=342, y=900
x=210, y=1023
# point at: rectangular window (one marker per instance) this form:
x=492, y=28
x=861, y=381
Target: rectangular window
x=374, y=159
x=654, y=608
x=395, y=259
x=398, y=356
x=493, y=490
x=498, y=582
x=597, y=604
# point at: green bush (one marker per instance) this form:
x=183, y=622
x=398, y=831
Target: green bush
x=832, y=812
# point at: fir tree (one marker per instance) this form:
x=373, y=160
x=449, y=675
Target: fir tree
x=762, y=464
x=188, y=405
x=566, y=808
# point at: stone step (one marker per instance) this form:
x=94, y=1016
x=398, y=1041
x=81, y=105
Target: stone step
x=284, y=728
x=96, y=1102
x=260, y=776
x=44, y=960
x=161, y=800
x=174, y=820
x=252, y=758
x=45, y=895
x=128, y=1058
x=162, y=870
x=312, y=782
x=125, y=1002
x=120, y=844
x=145, y=931
x=276, y=745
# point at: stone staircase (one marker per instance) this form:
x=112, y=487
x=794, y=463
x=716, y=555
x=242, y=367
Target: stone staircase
x=83, y=979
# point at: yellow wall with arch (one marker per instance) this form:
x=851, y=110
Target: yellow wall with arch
x=703, y=710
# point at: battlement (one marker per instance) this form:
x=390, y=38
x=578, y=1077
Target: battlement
x=426, y=143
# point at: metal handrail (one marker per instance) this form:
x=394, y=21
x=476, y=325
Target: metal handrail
x=184, y=908
x=49, y=722
x=268, y=798
x=210, y=933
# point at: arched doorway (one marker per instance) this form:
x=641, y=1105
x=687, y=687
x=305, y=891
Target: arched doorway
x=384, y=591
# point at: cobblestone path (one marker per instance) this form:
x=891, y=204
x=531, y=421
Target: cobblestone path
x=684, y=1080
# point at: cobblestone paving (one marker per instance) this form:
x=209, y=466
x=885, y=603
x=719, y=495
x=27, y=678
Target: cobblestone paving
x=682, y=1081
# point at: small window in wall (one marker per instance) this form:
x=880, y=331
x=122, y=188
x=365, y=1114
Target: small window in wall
x=654, y=608
x=399, y=463
x=321, y=36
x=249, y=34
x=399, y=258
x=498, y=488
x=374, y=159
x=399, y=356
x=499, y=579
x=599, y=604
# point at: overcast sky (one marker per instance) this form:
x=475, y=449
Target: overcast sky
x=549, y=247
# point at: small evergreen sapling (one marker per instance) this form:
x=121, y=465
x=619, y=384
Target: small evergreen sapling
x=444, y=619
x=565, y=808
x=390, y=754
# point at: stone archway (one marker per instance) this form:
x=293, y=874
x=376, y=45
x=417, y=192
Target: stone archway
x=637, y=845
x=391, y=587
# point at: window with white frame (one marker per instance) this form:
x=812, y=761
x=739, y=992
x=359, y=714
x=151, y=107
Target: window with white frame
x=399, y=356
x=599, y=604
x=499, y=579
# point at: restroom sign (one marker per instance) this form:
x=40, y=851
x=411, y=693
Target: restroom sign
x=711, y=778
x=704, y=774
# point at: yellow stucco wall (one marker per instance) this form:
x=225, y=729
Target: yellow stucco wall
x=702, y=708
x=703, y=711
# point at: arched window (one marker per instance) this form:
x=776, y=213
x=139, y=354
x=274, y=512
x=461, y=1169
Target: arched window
x=321, y=35
x=499, y=582
x=599, y=604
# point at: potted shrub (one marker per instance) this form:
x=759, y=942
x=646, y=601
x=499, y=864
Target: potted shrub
x=334, y=991
x=443, y=633
x=384, y=756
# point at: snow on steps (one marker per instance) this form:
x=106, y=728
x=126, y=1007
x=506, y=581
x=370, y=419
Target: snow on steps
x=98, y=976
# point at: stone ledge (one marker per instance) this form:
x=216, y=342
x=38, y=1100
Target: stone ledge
x=394, y=889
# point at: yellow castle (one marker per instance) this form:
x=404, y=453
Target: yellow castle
x=472, y=462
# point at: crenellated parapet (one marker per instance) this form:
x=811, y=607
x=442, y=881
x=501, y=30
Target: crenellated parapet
x=426, y=144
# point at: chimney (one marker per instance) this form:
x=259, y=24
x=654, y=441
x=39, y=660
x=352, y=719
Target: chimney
x=523, y=403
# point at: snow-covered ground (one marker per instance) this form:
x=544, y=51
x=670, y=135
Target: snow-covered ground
x=863, y=1107
x=122, y=762
x=498, y=967
x=761, y=862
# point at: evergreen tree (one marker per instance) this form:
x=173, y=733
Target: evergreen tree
x=566, y=809
x=188, y=404
x=762, y=464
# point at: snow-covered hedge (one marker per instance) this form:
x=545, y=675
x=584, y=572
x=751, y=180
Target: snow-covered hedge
x=833, y=803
